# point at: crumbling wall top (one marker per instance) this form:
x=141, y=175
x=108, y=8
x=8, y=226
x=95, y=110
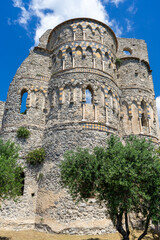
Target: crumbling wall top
x=132, y=47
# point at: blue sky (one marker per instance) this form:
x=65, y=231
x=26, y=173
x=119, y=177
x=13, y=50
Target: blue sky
x=24, y=21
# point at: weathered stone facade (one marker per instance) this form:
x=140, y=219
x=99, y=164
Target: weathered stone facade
x=78, y=57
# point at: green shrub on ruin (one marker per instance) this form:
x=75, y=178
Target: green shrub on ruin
x=11, y=178
x=23, y=133
x=118, y=62
x=36, y=156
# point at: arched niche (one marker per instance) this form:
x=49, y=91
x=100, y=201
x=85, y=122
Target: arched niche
x=135, y=118
x=40, y=100
x=89, y=33
x=59, y=61
x=88, y=60
x=54, y=60
x=97, y=35
x=66, y=34
x=78, y=57
x=110, y=99
x=98, y=59
x=144, y=120
x=79, y=33
x=126, y=122
x=106, y=57
x=68, y=58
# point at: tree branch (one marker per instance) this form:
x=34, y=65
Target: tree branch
x=119, y=227
x=146, y=228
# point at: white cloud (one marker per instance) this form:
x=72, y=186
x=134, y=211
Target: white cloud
x=116, y=2
x=25, y=15
x=117, y=29
x=158, y=107
x=132, y=9
x=52, y=12
x=129, y=25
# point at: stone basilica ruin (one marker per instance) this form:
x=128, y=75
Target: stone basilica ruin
x=82, y=84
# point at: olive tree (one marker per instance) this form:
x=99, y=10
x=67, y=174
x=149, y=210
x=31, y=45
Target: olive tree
x=124, y=177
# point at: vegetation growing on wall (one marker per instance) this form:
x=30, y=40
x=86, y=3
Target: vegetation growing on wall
x=11, y=179
x=118, y=62
x=36, y=156
x=23, y=133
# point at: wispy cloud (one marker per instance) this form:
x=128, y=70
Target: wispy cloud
x=25, y=15
x=116, y=2
x=158, y=107
x=132, y=8
x=49, y=13
x=129, y=25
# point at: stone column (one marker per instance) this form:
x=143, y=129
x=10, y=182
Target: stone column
x=74, y=36
x=94, y=62
x=73, y=61
x=148, y=117
x=84, y=35
x=140, y=125
x=140, y=116
x=102, y=65
x=130, y=115
x=53, y=100
x=102, y=39
x=72, y=96
x=95, y=113
x=106, y=114
x=83, y=103
x=63, y=61
x=44, y=107
x=83, y=111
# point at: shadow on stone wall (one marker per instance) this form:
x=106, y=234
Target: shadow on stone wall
x=89, y=239
x=4, y=238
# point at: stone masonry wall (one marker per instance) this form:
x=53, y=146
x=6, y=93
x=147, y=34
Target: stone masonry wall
x=2, y=104
x=136, y=47
x=77, y=95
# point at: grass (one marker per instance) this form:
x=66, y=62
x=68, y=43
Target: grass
x=34, y=235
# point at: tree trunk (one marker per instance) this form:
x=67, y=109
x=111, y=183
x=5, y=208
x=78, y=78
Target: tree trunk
x=120, y=228
x=126, y=224
x=146, y=228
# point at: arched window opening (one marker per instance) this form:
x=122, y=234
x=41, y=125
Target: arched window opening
x=60, y=57
x=144, y=121
x=89, y=95
x=110, y=99
x=69, y=52
x=106, y=57
x=22, y=177
x=127, y=51
x=98, y=54
x=60, y=54
x=54, y=59
x=24, y=95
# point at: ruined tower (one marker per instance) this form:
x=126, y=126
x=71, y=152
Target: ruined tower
x=82, y=84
